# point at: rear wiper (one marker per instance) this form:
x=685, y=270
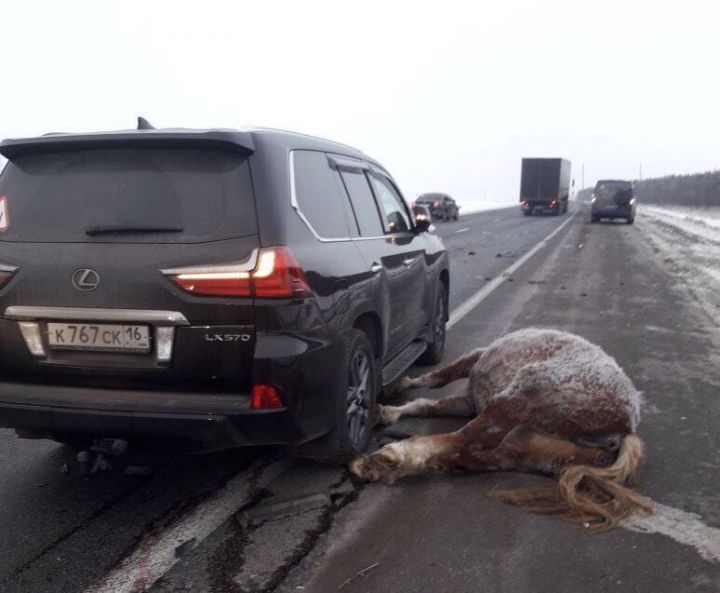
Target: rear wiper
x=120, y=229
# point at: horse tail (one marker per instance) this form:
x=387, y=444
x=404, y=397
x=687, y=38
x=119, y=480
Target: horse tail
x=598, y=497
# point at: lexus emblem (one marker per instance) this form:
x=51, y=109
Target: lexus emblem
x=86, y=279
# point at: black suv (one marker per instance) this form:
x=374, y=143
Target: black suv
x=613, y=198
x=441, y=206
x=226, y=287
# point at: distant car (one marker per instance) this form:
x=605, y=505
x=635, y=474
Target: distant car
x=441, y=206
x=613, y=199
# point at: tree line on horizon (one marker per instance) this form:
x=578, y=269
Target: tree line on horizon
x=697, y=189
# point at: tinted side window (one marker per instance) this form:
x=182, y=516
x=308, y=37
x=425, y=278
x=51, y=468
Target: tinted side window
x=363, y=203
x=320, y=195
x=392, y=205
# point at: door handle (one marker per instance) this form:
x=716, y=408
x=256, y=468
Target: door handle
x=376, y=268
x=408, y=262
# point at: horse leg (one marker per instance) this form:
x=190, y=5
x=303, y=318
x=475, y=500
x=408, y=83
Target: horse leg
x=454, y=405
x=458, y=369
x=436, y=453
x=531, y=451
x=481, y=445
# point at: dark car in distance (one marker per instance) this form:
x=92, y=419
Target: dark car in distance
x=613, y=198
x=225, y=287
x=441, y=206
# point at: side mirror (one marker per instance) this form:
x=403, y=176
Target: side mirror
x=423, y=220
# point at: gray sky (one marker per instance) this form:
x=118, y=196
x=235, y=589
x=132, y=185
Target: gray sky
x=448, y=95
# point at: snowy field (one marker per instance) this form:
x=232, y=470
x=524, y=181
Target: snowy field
x=689, y=241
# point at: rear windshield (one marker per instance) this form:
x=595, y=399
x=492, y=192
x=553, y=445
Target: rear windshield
x=127, y=195
x=613, y=186
x=427, y=198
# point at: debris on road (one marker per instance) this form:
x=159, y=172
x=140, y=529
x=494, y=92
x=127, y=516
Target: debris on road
x=360, y=573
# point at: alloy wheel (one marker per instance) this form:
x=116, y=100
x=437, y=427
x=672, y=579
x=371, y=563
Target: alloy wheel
x=359, y=395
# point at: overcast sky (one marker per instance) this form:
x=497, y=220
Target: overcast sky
x=447, y=95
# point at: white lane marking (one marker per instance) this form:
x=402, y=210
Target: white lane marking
x=468, y=305
x=155, y=554
x=685, y=528
x=467, y=228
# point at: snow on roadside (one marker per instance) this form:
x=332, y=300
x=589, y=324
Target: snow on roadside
x=698, y=221
x=688, y=239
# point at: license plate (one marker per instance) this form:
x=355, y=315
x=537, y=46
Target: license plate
x=98, y=337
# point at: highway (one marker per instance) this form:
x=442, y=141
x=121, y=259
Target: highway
x=257, y=521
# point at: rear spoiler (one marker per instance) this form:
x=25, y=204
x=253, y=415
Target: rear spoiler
x=167, y=138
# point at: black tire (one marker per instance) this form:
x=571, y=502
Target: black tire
x=436, y=349
x=527, y=212
x=354, y=406
x=631, y=220
x=594, y=219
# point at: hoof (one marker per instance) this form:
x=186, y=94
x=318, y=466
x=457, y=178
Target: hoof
x=380, y=466
x=404, y=384
x=386, y=414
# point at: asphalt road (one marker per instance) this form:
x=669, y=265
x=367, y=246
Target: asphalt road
x=256, y=521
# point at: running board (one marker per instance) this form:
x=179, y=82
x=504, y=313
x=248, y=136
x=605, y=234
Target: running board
x=402, y=362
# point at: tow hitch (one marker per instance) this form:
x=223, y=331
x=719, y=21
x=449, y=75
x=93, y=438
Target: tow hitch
x=103, y=455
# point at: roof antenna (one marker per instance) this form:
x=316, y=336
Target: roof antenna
x=144, y=124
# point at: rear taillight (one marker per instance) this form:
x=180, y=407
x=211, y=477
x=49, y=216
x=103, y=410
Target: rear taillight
x=265, y=397
x=436, y=204
x=6, y=272
x=275, y=273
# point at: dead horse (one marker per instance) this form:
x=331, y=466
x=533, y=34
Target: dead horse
x=543, y=401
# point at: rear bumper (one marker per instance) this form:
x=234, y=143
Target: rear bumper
x=539, y=207
x=612, y=211
x=203, y=418
x=297, y=368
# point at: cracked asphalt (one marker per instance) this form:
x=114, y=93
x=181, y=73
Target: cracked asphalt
x=307, y=527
